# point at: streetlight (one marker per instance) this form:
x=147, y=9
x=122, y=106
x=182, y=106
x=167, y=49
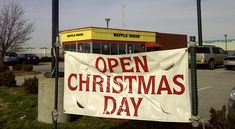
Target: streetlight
x=225, y=39
x=107, y=21
x=199, y=22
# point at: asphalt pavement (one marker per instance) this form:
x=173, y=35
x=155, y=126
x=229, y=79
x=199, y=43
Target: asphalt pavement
x=40, y=69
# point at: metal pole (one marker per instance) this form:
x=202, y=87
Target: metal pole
x=199, y=21
x=195, y=118
x=225, y=38
x=55, y=31
x=107, y=21
x=55, y=65
x=1, y=47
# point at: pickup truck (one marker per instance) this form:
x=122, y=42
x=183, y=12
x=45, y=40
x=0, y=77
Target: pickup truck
x=209, y=55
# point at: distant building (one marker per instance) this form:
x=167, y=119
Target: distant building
x=119, y=41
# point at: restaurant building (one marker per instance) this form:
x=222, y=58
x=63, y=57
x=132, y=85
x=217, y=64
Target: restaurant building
x=119, y=41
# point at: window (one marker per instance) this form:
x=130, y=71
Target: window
x=221, y=51
x=122, y=48
x=130, y=48
x=105, y=48
x=96, y=48
x=72, y=47
x=136, y=48
x=215, y=50
x=142, y=48
x=66, y=47
x=87, y=47
x=80, y=47
x=114, y=49
x=203, y=50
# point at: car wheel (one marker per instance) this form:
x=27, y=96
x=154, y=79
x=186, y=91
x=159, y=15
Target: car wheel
x=229, y=67
x=211, y=64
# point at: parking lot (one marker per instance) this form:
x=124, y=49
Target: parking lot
x=213, y=86
x=213, y=89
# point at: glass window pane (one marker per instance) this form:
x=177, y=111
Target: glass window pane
x=142, y=48
x=96, y=48
x=203, y=50
x=130, y=48
x=122, y=48
x=66, y=47
x=114, y=49
x=80, y=47
x=73, y=47
x=86, y=48
x=136, y=48
x=105, y=48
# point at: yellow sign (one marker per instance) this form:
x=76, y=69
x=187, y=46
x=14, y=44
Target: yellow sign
x=75, y=35
x=107, y=34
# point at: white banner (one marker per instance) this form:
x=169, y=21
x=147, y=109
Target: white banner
x=143, y=86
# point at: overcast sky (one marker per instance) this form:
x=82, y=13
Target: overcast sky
x=167, y=16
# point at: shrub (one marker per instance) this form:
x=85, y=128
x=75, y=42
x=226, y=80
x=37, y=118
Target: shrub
x=7, y=79
x=220, y=119
x=4, y=68
x=31, y=85
x=27, y=67
x=17, y=67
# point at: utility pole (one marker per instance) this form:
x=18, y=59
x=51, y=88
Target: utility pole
x=199, y=21
x=107, y=21
x=225, y=40
x=55, y=57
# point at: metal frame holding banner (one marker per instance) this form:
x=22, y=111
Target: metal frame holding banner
x=145, y=86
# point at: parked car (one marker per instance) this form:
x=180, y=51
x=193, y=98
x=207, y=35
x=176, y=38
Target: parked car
x=229, y=62
x=210, y=55
x=29, y=59
x=11, y=58
x=231, y=100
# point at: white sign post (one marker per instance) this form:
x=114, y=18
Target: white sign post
x=144, y=86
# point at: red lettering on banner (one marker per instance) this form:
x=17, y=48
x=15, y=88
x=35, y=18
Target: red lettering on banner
x=72, y=88
x=150, y=84
x=125, y=61
x=167, y=88
x=112, y=63
x=136, y=105
x=144, y=64
x=97, y=80
x=130, y=78
x=124, y=107
x=178, y=84
x=97, y=64
x=145, y=85
x=115, y=80
x=106, y=99
x=108, y=84
x=86, y=82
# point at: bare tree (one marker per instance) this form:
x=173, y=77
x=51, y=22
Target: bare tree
x=15, y=28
